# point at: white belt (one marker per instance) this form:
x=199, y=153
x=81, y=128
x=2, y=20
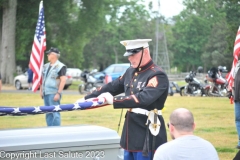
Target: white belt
x=143, y=111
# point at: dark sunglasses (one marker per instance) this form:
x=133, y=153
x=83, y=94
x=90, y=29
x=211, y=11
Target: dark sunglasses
x=134, y=51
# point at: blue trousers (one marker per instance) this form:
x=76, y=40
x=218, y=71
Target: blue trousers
x=136, y=156
x=53, y=118
x=237, y=119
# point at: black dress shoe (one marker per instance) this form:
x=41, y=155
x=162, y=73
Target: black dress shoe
x=238, y=147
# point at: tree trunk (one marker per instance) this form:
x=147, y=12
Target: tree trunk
x=8, y=65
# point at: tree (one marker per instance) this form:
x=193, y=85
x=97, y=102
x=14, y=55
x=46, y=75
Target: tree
x=231, y=8
x=192, y=32
x=8, y=40
x=126, y=20
x=68, y=27
x=216, y=50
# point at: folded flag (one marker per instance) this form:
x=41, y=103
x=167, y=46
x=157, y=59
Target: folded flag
x=20, y=111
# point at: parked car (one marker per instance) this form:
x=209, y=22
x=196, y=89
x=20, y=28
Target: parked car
x=114, y=71
x=75, y=73
x=21, y=81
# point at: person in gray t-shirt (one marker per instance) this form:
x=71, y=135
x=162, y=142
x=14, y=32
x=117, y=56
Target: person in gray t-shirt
x=185, y=145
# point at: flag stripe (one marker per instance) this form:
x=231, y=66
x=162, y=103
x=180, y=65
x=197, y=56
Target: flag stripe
x=236, y=51
x=38, y=48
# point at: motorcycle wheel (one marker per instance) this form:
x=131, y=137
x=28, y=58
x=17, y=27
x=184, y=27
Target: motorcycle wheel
x=81, y=88
x=208, y=93
x=223, y=92
x=204, y=92
x=214, y=92
x=183, y=92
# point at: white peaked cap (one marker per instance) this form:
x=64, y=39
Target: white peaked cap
x=134, y=44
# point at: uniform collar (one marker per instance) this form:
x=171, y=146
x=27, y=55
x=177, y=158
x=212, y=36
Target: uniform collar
x=139, y=69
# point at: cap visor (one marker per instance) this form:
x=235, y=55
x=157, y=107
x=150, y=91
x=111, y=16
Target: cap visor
x=48, y=52
x=127, y=54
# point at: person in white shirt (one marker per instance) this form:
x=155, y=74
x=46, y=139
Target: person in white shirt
x=185, y=145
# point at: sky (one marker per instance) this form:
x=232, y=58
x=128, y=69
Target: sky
x=168, y=8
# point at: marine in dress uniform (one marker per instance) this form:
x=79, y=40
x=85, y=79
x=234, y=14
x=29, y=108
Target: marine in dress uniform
x=146, y=88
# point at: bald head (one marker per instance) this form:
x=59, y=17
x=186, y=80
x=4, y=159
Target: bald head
x=182, y=119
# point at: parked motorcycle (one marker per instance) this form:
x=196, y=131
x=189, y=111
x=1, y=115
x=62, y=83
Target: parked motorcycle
x=218, y=85
x=90, y=83
x=194, y=86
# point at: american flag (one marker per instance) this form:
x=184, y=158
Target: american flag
x=38, y=48
x=21, y=111
x=236, y=51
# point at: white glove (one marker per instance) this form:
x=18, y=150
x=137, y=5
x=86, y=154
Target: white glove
x=108, y=97
x=80, y=100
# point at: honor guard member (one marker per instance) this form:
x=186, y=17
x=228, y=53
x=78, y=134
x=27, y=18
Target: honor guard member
x=146, y=88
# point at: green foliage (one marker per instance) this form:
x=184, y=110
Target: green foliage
x=4, y=3
x=202, y=34
x=216, y=50
x=190, y=34
x=129, y=22
x=27, y=14
x=87, y=32
x=69, y=26
x=231, y=8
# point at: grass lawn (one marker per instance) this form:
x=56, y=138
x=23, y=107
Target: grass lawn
x=214, y=117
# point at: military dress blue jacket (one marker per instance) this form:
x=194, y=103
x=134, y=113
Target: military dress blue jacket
x=147, y=88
